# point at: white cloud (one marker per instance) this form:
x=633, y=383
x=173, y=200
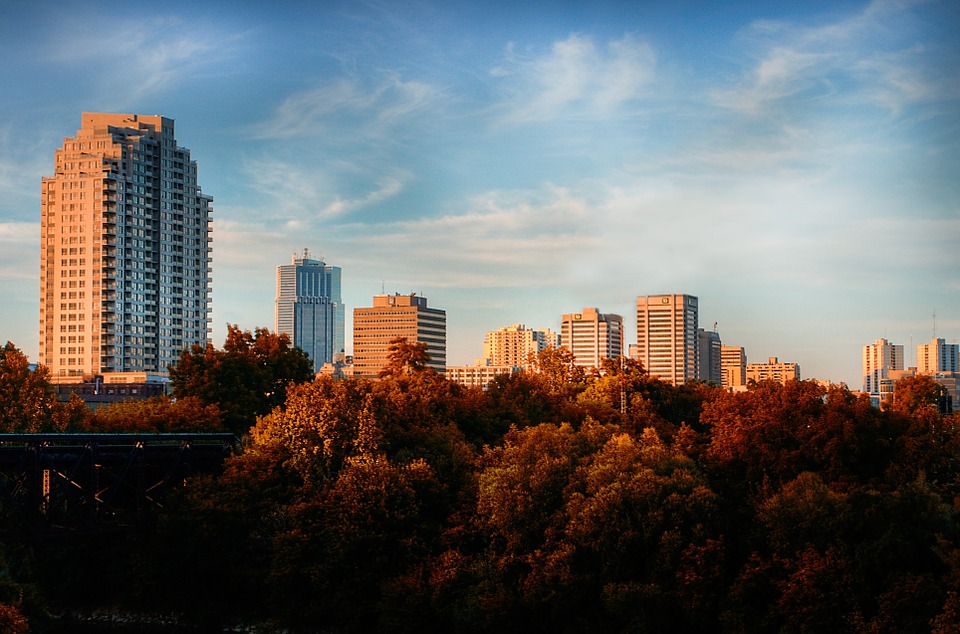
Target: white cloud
x=575, y=78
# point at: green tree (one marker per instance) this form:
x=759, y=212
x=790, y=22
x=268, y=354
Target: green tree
x=405, y=356
x=246, y=379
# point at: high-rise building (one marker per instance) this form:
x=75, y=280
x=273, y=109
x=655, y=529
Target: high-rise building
x=733, y=366
x=592, y=336
x=879, y=358
x=938, y=357
x=710, y=357
x=514, y=345
x=125, y=238
x=393, y=316
x=773, y=370
x=309, y=308
x=667, y=343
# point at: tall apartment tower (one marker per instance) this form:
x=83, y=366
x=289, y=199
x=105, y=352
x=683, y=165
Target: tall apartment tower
x=592, y=336
x=125, y=240
x=309, y=308
x=879, y=358
x=733, y=366
x=710, y=370
x=938, y=357
x=667, y=343
x=394, y=316
x=514, y=345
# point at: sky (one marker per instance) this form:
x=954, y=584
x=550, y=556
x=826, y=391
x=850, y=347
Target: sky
x=795, y=165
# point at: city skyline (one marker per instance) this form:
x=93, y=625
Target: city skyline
x=793, y=166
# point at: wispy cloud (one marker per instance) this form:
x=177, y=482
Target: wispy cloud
x=150, y=53
x=350, y=108
x=870, y=58
x=577, y=77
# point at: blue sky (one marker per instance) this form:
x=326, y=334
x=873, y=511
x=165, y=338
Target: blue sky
x=796, y=165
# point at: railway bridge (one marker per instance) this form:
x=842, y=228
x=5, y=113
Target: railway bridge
x=62, y=484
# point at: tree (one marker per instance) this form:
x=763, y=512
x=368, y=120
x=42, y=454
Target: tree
x=27, y=401
x=246, y=379
x=404, y=357
x=160, y=414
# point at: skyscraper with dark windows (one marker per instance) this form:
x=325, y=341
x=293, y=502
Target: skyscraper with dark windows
x=309, y=308
x=125, y=238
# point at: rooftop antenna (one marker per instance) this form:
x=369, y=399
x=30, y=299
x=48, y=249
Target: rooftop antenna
x=383, y=287
x=934, y=323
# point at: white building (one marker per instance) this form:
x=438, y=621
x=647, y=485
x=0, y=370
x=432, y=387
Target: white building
x=937, y=357
x=879, y=359
x=667, y=342
x=516, y=345
x=125, y=242
x=592, y=336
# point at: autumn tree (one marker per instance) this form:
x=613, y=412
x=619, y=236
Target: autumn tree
x=405, y=356
x=246, y=379
x=160, y=414
x=27, y=401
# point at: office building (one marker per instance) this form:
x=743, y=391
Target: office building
x=592, y=336
x=517, y=345
x=125, y=236
x=393, y=316
x=309, y=308
x=879, y=359
x=479, y=375
x=733, y=366
x=773, y=370
x=710, y=357
x=937, y=357
x=667, y=342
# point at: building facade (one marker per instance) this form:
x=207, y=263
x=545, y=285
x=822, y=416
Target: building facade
x=879, y=359
x=479, y=375
x=592, y=336
x=516, y=345
x=393, y=316
x=733, y=366
x=309, y=308
x=125, y=238
x=711, y=368
x=773, y=370
x=938, y=357
x=667, y=342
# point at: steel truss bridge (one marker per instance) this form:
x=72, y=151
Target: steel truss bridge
x=63, y=484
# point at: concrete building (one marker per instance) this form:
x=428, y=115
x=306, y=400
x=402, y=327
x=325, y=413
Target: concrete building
x=711, y=368
x=394, y=316
x=667, y=342
x=592, y=336
x=515, y=345
x=938, y=357
x=733, y=366
x=879, y=359
x=125, y=241
x=309, y=308
x=479, y=375
x=773, y=370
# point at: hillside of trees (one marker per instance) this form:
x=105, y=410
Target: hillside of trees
x=557, y=501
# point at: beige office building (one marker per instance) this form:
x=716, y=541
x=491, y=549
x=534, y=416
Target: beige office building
x=773, y=370
x=733, y=366
x=592, y=336
x=394, y=316
x=667, y=342
x=125, y=235
x=479, y=375
x=516, y=345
